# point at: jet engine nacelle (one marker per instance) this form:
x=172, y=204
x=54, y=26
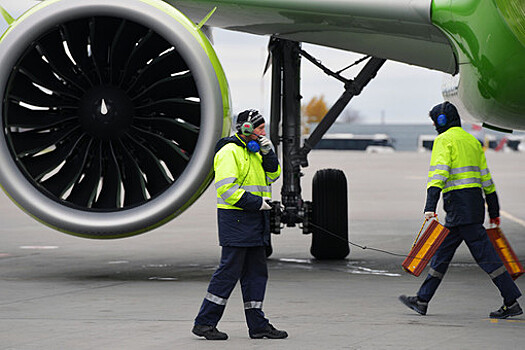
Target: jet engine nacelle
x=110, y=114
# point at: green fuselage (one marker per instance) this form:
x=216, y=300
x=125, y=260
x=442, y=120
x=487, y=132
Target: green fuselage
x=488, y=37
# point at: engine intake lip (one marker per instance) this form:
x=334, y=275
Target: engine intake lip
x=83, y=118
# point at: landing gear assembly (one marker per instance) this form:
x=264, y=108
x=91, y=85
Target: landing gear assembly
x=326, y=217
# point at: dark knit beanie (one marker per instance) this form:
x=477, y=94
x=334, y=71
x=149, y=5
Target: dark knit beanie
x=251, y=115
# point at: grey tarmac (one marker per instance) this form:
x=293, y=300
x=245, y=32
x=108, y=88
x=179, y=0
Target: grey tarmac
x=62, y=292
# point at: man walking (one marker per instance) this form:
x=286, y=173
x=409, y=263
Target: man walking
x=458, y=168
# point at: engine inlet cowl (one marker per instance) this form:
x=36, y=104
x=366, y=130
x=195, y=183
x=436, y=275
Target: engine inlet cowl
x=110, y=114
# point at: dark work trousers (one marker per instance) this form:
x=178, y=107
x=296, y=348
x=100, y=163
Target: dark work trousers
x=483, y=252
x=247, y=264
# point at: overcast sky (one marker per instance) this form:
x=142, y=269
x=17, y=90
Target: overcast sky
x=400, y=93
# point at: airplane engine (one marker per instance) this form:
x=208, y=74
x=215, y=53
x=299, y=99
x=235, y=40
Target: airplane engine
x=110, y=114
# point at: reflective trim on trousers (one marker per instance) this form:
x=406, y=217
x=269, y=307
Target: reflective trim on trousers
x=499, y=271
x=435, y=274
x=253, y=305
x=215, y=299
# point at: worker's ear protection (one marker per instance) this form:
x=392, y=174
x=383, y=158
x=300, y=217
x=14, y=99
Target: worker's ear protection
x=246, y=128
x=442, y=120
x=253, y=146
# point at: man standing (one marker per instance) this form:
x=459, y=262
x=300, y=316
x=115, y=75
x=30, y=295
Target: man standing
x=245, y=166
x=458, y=168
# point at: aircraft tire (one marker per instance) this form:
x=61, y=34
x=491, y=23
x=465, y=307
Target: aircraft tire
x=329, y=212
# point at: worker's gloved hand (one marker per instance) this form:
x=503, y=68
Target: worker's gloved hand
x=495, y=221
x=265, y=204
x=429, y=215
x=266, y=144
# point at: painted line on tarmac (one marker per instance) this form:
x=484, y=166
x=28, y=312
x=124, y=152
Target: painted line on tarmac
x=512, y=217
x=39, y=247
x=493, y=320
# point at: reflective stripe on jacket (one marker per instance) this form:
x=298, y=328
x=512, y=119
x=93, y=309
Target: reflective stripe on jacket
x=458, y=162
x=242, y=178
x=239, y=174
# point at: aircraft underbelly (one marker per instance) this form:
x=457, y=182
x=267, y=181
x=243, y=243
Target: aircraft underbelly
x=397, y=30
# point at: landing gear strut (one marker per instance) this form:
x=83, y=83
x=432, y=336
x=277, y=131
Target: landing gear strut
x=327, y=215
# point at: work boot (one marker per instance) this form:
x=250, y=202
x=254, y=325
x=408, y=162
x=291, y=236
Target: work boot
x=209, y=332
x=269, y=332
x=412, y=302
x=507, y=311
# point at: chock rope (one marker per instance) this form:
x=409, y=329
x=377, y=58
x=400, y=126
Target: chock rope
x=363, y=247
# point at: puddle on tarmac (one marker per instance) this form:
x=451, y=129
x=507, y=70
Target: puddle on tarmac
x=163, y=279
x=352, y=267
x=171, y=273
x=156, y=265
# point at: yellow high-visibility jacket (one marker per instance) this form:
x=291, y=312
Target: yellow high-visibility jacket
x=239, y=174
x=458, y=168
x=242, y=179
x=458, y=162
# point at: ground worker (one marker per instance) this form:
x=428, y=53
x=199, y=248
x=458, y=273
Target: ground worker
x=458, y=168
x=245, y=165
